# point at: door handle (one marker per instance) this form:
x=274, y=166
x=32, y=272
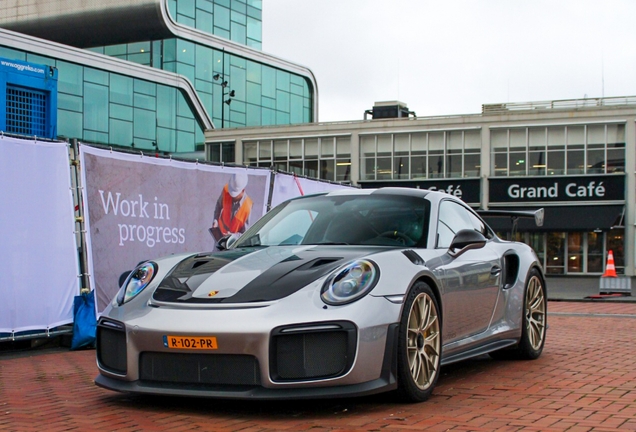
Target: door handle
x=495, y=271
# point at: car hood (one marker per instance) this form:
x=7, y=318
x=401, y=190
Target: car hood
x=253, y=274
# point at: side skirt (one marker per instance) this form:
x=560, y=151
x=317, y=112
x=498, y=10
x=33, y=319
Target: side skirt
x=477, y=351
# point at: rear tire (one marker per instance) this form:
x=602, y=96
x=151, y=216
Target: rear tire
x=534, y=323
x=419, y=344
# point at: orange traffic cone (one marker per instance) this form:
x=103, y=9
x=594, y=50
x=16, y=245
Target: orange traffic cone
x=610, y=270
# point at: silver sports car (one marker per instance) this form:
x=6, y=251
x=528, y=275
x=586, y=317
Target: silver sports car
x=347, y=293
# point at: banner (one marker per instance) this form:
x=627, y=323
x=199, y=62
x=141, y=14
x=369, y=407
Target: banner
x=139, y=207
x=38, y=255
x=288, y=186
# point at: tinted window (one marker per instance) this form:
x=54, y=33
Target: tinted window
x=386, y=220
x=454, y=217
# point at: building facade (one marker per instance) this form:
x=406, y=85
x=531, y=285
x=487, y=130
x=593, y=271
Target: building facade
x=575, y=158
x=155, y=74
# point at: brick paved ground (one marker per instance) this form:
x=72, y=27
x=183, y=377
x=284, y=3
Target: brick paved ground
x=585, y=381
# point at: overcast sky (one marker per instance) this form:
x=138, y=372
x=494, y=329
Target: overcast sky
x=450, y=57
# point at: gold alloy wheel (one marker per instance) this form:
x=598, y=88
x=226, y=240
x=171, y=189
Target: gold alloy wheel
x=535, y=312
x=423, y=341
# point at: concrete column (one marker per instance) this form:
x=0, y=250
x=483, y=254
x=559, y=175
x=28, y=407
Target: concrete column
x=355, y=158
x=238, y=151
x=485, y=164
x=630, y=197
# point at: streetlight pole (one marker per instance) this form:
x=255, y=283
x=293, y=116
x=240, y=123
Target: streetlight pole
x=229, y=93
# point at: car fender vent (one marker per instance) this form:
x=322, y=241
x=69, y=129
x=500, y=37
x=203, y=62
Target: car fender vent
x=413, y=257
x=511, y=268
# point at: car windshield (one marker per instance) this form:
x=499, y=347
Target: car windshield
x=376, y=219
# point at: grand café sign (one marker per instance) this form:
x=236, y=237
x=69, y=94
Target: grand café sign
x=609, y=187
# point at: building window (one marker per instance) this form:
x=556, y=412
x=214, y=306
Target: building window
x=222, y=152
x=574, y=252
x=420, y=155
x=595, y=254
x=615, y=243
x=325, y=158
x=343, y=159
x=555, y=164
x=558, y=150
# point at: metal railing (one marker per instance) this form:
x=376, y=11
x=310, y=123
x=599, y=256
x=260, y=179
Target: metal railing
x=559, y=104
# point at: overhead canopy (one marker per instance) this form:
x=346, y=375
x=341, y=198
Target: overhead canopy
x=85, y=24
x=564, y=218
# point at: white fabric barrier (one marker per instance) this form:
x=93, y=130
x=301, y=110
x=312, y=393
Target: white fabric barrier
x=287, y=186
x=139, y=207
x=38, y=253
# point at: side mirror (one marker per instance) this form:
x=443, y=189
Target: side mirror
x=227, y=241
x=464, y=240
x=221, y=244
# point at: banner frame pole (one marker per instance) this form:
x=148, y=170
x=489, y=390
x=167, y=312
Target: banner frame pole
x=79, y=219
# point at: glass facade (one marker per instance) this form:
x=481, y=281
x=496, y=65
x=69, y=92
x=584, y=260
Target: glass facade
x=239, y=21
x=105, y=107
x=558, y=150
x=326, y=158
x=245, y=92
x=420, y=155
x=108, y=108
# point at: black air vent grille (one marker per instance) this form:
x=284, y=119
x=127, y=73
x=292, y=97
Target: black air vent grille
x=211, y=369
x=317, y=351
x=111, y=346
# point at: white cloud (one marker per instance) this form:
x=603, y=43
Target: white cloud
x=451, y=57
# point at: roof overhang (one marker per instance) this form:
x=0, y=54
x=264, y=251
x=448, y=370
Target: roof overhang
x=86, y=24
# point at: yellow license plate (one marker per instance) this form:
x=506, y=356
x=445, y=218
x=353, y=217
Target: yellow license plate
x=190, y=342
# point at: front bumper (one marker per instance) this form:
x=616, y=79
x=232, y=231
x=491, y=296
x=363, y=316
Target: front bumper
x=261, y=354
x=387, y=381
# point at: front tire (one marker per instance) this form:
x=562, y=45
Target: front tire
x=534, y=322
x=419, y=344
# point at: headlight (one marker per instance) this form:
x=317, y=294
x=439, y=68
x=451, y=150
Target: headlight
x=351, y=282
x=137, y=280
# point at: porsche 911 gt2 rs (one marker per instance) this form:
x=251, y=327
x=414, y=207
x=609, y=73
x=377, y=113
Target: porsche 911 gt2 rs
x=347, y=293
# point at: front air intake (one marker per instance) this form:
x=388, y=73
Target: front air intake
x=111, y=346
x=206, y=369
x=314, y=351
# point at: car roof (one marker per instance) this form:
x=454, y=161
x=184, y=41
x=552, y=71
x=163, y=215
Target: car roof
x=431, y=195
x=381, y=191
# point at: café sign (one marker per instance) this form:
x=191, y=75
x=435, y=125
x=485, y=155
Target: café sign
x=558, y=189
x=468, y=190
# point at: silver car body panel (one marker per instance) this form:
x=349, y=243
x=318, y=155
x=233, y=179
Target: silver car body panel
x=480, y=311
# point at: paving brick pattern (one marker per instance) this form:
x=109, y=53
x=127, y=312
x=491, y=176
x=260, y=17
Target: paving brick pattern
x=585, y=381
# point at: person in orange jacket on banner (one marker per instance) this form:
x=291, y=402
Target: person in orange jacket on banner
x=233, y=208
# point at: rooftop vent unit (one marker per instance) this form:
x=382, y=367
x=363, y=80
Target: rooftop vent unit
x=389, y=110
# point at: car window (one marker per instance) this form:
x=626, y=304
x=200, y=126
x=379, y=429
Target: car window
x=454, y=217
x=377, y=219
x=290, y=230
